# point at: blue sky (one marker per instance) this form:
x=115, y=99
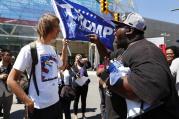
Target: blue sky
x=155, y=9
x=158, y=9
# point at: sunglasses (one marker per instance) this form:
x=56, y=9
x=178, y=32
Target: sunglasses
x=121, y=26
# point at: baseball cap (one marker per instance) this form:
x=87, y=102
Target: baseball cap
x=133, y=20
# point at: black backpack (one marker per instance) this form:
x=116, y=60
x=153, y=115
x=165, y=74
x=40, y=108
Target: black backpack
x=34, y=56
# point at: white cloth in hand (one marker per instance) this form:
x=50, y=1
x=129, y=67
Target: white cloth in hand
x=117, y=70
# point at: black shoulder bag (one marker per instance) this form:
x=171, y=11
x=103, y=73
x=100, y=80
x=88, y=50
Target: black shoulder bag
x=67, y=91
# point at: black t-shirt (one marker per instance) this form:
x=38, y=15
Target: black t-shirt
x=150, y=77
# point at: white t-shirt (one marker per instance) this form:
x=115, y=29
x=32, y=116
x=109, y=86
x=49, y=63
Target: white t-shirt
x=174, y=67
x=66, y=77
x=46, y=74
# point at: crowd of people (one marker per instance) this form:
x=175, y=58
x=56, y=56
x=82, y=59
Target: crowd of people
x=137, y=81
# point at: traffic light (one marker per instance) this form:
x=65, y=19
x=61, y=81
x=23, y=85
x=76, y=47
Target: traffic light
x=116, y=16
x=104, y=6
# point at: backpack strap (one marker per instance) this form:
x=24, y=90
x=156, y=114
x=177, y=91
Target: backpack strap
x=34, y=56
x=71, y=76
x=62, y=78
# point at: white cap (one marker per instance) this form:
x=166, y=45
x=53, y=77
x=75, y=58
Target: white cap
x=134, y=20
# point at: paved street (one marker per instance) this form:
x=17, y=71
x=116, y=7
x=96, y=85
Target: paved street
x=93, y=102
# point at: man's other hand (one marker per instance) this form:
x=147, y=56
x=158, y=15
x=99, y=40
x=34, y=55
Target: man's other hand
x=93, y=38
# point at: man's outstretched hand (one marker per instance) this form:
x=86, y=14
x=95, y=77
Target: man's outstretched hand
x=93, y=38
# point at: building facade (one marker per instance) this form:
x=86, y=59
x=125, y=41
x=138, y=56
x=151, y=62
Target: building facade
x=18, y=20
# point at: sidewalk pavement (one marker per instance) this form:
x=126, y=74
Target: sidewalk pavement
x=93, y=102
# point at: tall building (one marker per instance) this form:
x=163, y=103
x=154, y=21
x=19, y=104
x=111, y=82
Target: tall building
x=18, y=20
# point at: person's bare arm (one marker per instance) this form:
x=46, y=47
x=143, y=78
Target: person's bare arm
x=19, y=92
x=63, y=56
x=124, y=89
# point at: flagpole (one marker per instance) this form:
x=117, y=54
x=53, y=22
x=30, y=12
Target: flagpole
x=69, y=51
x=54, y=4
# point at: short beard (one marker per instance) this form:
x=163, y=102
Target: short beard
x=123, y=43
x=115, y=45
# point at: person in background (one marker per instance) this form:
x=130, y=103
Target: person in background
x=45, y=104
x=68, y=76
x=173, y=61
x=171, y=54
x=172, y=58
x=147, y=84
x=6, y=96
x=102, y=87
x=80, y=69
x=1, y=53
x=174, y=68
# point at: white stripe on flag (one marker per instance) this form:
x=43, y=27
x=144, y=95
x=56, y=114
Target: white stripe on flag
x=58, y=15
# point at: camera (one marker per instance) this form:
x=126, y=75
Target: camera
x=4, y=70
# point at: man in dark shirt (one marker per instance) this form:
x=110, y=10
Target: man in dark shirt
x=148, y=84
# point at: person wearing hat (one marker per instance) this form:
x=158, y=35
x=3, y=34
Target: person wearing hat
x=147, y=86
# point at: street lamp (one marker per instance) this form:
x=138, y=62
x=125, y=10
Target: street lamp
x=174, y=10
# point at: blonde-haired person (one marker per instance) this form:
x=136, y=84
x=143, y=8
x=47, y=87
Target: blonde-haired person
x=46, y=105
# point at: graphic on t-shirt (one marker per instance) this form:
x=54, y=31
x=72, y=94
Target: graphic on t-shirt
x=48, y=67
